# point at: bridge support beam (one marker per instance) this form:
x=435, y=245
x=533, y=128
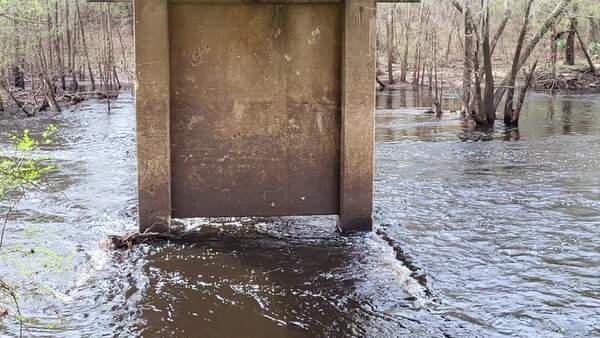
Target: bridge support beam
x=153, y=114
x=156, y=94
x=358, y=116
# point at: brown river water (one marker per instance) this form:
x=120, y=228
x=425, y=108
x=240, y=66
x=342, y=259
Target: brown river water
x=473, y=238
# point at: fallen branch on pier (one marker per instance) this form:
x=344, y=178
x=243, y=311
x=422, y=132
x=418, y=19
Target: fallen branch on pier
x=179, y=234
x=209, y=233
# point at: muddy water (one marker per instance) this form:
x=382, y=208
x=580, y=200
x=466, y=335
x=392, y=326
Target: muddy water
x=472, y=238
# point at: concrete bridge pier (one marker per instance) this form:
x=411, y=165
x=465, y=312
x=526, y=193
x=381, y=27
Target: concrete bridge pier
x=259, y=108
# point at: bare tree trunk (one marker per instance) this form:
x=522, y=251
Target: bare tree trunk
x=478, y=114
x=450, y=35
x=570, y=49
x=58, y=48
x=425, y=45
x=69, y=45
x=406, y=45
x=50, y=34
x=17, y=62
x=417, y=65
x=522, y=94
x=554, y=51
x=500, y=30
x=488, y=94
x=508, y=104
x=125, y=66
x=468, y=61
x=50, y=90
x=547, y=25
x=438, y=83
x=423, y=59
x=84, y=44
x=390, y=46
x=588, y=57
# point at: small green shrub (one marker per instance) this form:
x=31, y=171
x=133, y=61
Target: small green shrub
x=24, y=171
x=20, y=173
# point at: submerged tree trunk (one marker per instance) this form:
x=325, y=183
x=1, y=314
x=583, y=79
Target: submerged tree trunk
x=521, y=100
x=508, y=104
x=477, y=113
x=482, y=102
x=488, y=94
x=549, y=23
x=468, y=61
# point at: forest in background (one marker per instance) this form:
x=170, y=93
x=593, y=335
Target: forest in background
x=489, y=52
x=54, y=53
x=58, y=52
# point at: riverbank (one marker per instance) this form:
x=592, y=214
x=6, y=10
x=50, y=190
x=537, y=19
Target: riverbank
x=566, y=79
x=30, y=101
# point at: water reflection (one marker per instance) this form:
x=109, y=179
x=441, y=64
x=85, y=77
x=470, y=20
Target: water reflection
x=414, y=98
x=402, y=119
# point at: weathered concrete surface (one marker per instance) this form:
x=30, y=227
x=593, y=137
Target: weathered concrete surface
x=358, y=115
x=152, y=110
x=255, y=102
x=255, y=109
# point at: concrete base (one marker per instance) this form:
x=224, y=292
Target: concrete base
x=350, y=224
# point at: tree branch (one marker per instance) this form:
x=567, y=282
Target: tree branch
x=500, y=30
x=548, y=23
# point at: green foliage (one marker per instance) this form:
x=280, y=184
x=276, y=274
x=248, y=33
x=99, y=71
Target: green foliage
x=24, y=171
x=48, y=132
x=594, y=49
x=18, y=174
x=562, y=44
x=25, y=142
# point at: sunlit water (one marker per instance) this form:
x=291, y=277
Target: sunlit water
x=472, y=238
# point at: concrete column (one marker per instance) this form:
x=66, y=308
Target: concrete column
x=358, y=116
x=152, y=113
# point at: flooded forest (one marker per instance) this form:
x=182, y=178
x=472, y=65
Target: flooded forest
x=486, y=185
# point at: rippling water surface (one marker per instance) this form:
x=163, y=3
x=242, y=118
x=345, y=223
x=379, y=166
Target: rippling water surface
x=478, y=234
